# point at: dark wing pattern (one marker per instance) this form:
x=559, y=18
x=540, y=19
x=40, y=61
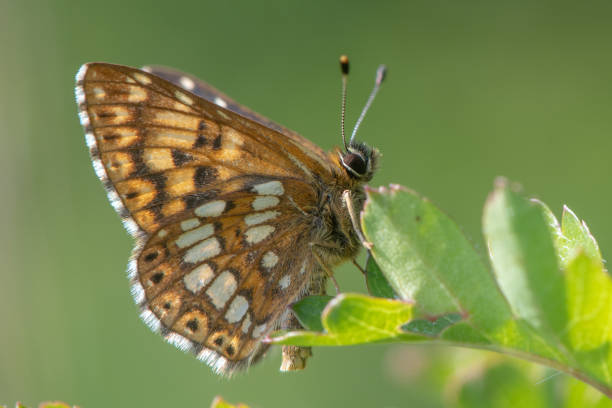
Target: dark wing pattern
x=216, y=203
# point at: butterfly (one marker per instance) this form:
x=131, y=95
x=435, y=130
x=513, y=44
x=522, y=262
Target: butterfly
x=234, y=217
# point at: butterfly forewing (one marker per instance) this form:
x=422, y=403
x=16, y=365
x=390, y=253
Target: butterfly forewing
x=211, y=94
x=160, y=145
x=216, y=202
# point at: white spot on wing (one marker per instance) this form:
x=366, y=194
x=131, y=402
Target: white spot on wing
x=258, y=218
x=263, y=202
x=186, y=239
x=211, y=209
x=187, y=83
x=222, y=289
x=143, y=79
x=232, y=138
x=284, y=282
x=237, y=309
x=168, y=118
x=204, y=250
x=269, y=260
x=269, y=188
x=162, y=233
x=246, y=324
x=190, y=224
x=198, y=278
x=258, y=331
x=137, y=94
x=258, y=234
x=183, y=98
x=220, y=102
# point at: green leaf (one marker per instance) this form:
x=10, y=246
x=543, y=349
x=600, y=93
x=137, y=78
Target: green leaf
x=588, y=291
x=308, y=311
x=464, y=333
x=554, y=228
x=354, y=318
x=570, y=237
x=547, y=298
x=431, y=328
x=524, y=260
x=588, y=333
x=578, y=237
x=377, y=284
x=570, y=309
x=426, y=258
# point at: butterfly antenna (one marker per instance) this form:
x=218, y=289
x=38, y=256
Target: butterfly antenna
x=381, y=73
x=344, y=68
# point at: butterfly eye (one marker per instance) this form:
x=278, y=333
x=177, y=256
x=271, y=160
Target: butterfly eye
x=355, y=164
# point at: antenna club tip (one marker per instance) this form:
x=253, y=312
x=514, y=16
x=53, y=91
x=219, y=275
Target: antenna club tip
x=381, y=74
x=344, y=64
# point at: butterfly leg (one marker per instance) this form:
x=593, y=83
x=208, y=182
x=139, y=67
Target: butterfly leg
x=346, y=196
x=362, y=270
x=329, y=272
x=295, y=357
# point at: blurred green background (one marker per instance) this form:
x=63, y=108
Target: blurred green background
x=475, y=90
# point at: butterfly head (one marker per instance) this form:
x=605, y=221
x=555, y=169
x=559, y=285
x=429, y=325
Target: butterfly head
x=359, y=161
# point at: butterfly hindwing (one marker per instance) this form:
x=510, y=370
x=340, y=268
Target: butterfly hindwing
x=217, y=282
